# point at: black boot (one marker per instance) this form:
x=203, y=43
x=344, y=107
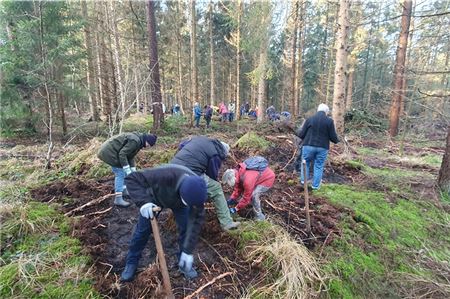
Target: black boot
x=128, y=273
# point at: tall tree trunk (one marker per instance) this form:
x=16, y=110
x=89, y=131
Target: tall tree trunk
x=92, y=87
x=238, y=61
x=294, y=70
x=154, y=67
x=194, y=82
x=179, y=61
x=262, y=83
x=341, y=66
x=349, y=96
x=444, y=172
x=399, y=69
x=299, y=67
x=211, y=56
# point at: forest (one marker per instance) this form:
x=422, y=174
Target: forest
x=76, y=73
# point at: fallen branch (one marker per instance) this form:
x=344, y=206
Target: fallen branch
x=98, y=213
x=290, y=160
x=207, y=284
x=92, y=202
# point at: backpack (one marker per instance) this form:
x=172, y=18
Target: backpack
x=256, y=163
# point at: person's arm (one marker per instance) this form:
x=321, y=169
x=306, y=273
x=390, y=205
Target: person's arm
x=214, y=164
x=237, y=190
x=248, y=186
x=195, y=222
x=302, y=133
x=332, y=133
x=126, y=150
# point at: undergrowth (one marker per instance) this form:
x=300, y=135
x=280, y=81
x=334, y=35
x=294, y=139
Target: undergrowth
x=39, y=259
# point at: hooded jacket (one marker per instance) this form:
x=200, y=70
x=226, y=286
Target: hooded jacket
x=120, y=150
x=318, y=131
x=202, y=155
x=246, y=182
x=161, y=185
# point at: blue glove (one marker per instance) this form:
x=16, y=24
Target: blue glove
x=127, y=169
x=185, y=265
x=231, y=202
x=233, y=210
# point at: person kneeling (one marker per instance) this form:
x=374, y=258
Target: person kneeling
x=250, y=182
x=168, y=186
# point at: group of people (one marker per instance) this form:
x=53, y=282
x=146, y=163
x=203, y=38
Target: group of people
x=192, y=177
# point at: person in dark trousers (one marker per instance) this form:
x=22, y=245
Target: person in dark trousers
x=167, y=186
x=197, y=114
x=317, y=132
x=207, y=112
x=119, y=152
x=204, y=156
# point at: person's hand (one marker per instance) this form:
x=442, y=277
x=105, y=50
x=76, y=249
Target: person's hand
x=231, y=201
x=127, y=169
x=185, y=265
x=133, y=169
x=147, y=210
x=233, y=210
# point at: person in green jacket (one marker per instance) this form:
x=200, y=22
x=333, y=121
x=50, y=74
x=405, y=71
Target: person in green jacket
x=119, y=152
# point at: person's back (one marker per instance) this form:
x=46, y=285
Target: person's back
x=319, y=131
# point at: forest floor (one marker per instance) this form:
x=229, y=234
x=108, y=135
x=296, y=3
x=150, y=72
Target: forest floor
x=379, y=227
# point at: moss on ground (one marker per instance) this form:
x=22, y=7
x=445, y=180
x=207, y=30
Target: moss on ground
x=39, y=259
x=383, y=238
x=252, y=141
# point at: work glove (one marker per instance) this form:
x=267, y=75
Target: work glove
x=127, y=169
x=147, y=210
x=233, y=210
x=185, y=265
x=231, y=202
x=133, y=169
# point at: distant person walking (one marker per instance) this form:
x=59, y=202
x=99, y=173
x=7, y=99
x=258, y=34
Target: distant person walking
x=223, y=110
x=197, y=114
x=317, y=132
x=207, y=112
x=119, y=152
x=231, y=111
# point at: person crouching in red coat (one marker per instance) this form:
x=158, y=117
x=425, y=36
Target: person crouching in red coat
x=249, y=184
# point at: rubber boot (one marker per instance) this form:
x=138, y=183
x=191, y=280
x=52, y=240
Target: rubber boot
x=125, y=194
x=128, y=273
x=118, y=201
x=260, y=217
x=231, y=225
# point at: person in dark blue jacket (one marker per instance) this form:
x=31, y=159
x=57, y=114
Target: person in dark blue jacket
x=204, y=156
x=168, y=186
x=317, y=132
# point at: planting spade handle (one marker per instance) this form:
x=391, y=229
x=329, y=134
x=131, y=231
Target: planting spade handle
x=305, y=186
x=161, y=257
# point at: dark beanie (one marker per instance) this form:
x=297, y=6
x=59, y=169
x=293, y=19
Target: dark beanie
x=193, y=190
x=150, y=139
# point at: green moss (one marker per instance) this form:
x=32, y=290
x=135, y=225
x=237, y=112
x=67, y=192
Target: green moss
x=432, y=159
x=339, y=289
x=251, y=140
x=8, y=277
x=355, y=164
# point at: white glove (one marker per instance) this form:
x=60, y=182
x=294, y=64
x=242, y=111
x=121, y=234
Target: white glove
x=127, y=169
x=186, y=261
x=133, y=169
x=147, y=210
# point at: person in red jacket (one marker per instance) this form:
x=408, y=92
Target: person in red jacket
x=249, y=184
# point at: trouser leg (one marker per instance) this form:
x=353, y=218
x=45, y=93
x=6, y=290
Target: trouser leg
x=319, y=164
x=256, y=201
x=215, y=193
x=139, y=240
x=119, y=176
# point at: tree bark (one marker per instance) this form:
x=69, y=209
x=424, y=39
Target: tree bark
x=211, y=57
x=444, y=172
x=262, y=84
x=349, y=96
x=154, y=67
x=193, y=41
x=294, y=84
x=238, y=61
x=92, y=87
x=399, y=69
x=341, y=66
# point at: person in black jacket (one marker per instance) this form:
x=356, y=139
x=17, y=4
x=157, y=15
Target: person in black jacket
x=167, y=186
x=204, y=156
x=317, y=132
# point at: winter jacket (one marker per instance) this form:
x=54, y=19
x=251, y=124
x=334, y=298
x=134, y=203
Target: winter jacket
x=246, y=182
x=318, y=131
x=223, y=108
x=120, y=150
x=202, y=155
x=197, y=111
x=208, y=112
x=160, y=185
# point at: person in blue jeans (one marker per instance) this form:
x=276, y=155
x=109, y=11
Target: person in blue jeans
x=168, y=186
x=197, y=114
x=316, y=133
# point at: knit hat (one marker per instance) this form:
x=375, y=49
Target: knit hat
x=193, y=190
x=324, y=108
x=150, y=139
x=229, y=177
x=226, y=147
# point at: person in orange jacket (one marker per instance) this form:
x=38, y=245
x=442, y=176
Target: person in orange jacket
x=250, y=184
